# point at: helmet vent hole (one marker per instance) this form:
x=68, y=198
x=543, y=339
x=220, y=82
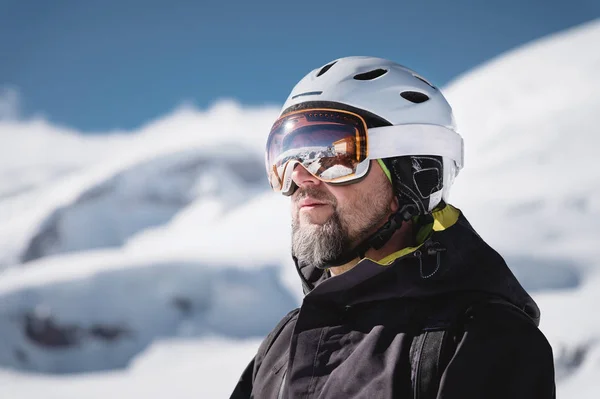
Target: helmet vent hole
x=325, y=68
x=308, y=93
x=371, y=74
x=414, y=96
x=424, y=81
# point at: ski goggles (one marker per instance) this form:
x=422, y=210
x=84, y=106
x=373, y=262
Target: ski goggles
x=336, y=147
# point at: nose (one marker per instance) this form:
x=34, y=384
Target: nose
x=303, y=177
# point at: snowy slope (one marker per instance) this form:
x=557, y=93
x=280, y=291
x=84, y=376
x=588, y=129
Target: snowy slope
x=168, y=369
x=55, y=182
x=531, y=184
x=169, y=233
x=531, y=142
x=96, y=311
x=145, y=195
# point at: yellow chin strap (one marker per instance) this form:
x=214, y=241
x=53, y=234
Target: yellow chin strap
x=442, y=219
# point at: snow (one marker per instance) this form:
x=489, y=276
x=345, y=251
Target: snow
x=62, y=315
x=336, y=171
x=532, y=114
x=166, y=369
x=305, y=153
x=151, y=263
x=530, y=185
x=119, y=178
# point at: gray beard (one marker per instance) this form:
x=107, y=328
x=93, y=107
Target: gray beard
x=318, y=245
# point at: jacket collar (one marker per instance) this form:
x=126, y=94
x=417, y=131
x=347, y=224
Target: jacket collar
x=451, y=258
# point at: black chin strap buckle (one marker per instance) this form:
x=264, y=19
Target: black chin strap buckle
x=383, y=235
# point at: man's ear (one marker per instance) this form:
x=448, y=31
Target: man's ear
x=395, y=204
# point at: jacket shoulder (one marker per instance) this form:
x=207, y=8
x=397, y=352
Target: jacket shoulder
x=270, y=339
x=501, y=354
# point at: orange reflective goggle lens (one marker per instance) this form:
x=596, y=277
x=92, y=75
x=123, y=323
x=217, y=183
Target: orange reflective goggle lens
x=330, y=144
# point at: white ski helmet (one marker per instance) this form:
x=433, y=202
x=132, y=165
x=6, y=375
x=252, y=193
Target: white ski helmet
x=426, y=153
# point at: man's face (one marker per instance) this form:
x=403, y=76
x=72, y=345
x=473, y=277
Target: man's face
x=328, y=220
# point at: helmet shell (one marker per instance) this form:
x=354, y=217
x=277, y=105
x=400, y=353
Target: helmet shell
x=360, y=83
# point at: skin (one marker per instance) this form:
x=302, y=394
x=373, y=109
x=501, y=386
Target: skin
x=361, y=207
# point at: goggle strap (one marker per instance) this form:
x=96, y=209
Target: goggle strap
x=415, y=139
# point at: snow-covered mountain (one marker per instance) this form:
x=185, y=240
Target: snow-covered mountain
x=56, y=183
x=145, y=195
x=131, y=249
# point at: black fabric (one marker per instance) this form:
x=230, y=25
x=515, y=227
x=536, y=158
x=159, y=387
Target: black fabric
x=243, y=389
x=415, y=178
x=432, y=350
x=503, y=356
x=356, y=335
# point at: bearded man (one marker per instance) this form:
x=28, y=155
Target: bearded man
x=403, y=299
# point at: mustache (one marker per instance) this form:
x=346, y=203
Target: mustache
x=315, y=194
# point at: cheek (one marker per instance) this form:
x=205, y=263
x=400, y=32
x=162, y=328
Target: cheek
x=365, y=204
x=351, y=207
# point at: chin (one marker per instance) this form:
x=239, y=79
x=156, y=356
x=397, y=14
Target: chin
x=307, y=221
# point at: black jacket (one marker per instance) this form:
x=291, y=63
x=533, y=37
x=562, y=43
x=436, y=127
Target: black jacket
x=354, y=335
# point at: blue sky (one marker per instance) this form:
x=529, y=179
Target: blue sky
x=116, y=64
